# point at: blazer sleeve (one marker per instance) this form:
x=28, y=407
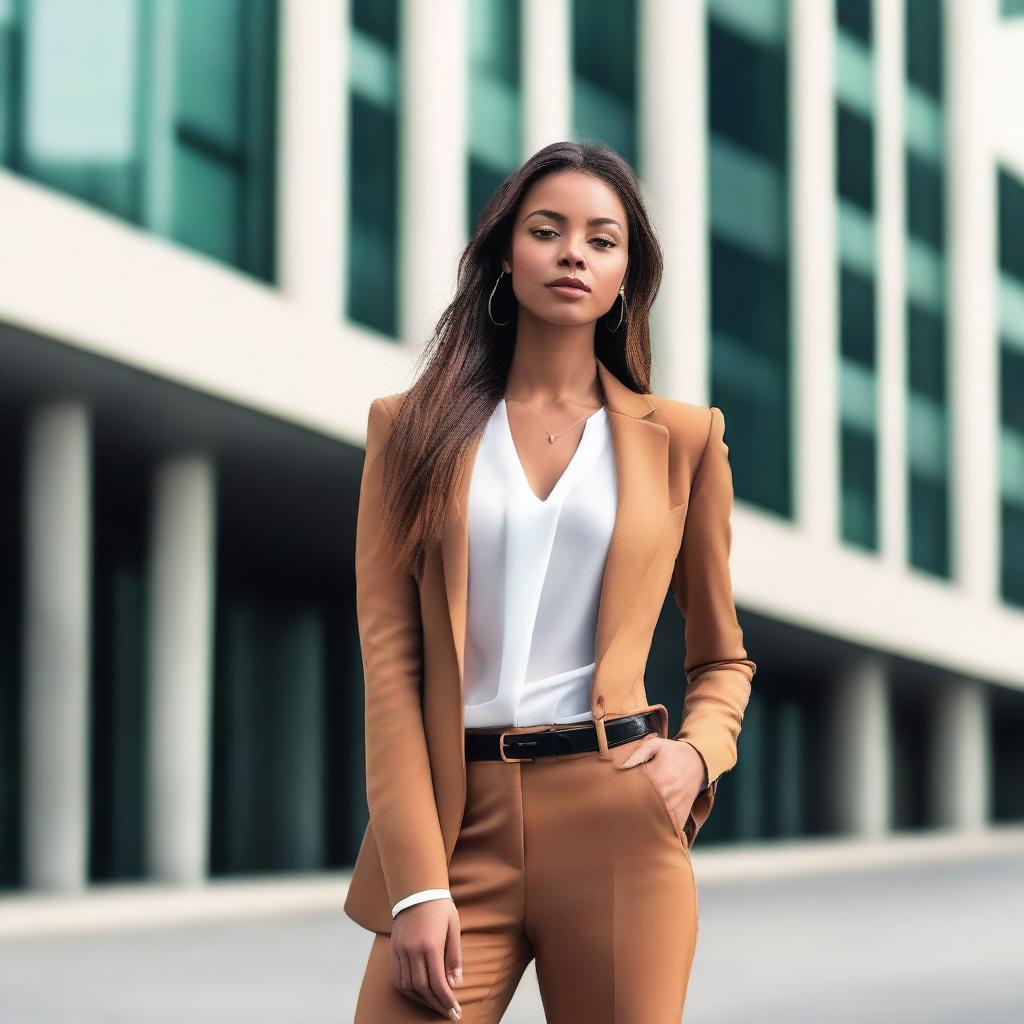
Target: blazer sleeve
x=399, y=788
x=718, y=671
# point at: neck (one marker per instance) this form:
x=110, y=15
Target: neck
x=551, y=371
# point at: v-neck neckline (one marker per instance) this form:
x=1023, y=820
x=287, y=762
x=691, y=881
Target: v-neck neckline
x=566, y=476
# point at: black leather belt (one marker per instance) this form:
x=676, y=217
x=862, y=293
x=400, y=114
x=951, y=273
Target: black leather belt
x=526, y=746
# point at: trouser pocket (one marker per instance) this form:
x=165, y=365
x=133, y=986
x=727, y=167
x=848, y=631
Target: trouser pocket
x=666, y=811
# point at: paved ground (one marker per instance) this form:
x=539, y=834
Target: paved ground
x=934, y=942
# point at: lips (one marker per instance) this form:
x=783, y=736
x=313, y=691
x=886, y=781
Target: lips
x=568, y=282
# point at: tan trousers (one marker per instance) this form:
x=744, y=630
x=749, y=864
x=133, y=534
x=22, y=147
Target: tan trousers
x=578, y=864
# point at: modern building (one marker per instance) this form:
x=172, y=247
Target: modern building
x=225, y=227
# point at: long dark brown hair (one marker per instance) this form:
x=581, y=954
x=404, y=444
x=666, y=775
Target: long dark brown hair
x=463, y=368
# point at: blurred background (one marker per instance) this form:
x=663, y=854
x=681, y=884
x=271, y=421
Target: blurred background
x=227, y=225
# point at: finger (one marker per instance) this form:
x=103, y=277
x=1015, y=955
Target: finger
x=643, y=751
x=439, y=984
x=396, y=969
x=453, y=966
x=406, y=973
x=421, y=983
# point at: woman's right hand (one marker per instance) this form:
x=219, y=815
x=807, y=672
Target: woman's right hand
x=426, y=950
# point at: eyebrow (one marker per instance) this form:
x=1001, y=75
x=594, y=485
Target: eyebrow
x=561, y=217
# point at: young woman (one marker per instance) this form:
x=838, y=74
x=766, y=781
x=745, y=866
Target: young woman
x=525, y=507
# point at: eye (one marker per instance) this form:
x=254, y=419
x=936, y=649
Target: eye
x=551, y=231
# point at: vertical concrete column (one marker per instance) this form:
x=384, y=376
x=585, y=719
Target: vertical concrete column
x=313, y=108
x=673, y=147
x=57, y=647
x=180, y=667
x=973, y=305
x=890, y=280
x=546, y=72
x=813, y=275
x=433, y=152
x=961, y=756
x=860, y=729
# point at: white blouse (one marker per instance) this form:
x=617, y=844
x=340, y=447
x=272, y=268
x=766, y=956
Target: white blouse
x=535, y=572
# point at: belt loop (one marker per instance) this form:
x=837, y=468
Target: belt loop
x=602, y=738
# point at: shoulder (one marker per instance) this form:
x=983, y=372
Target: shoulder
x=691, y=426
x=388, y=405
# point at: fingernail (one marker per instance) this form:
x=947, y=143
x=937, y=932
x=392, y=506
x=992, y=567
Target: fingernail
x=455, y=1013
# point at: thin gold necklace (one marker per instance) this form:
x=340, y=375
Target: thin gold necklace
x=552, y=437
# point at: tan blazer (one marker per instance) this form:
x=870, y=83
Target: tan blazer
x=672, y=528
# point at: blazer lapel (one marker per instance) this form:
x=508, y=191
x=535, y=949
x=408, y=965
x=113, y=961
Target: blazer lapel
x=641, y=467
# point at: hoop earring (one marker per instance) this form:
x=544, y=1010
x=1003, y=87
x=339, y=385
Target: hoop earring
x=489, y=313
x=622, y=312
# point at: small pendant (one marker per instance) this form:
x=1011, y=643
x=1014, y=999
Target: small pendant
x=551, y=438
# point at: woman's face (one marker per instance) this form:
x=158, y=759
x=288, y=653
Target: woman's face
x=569, y=224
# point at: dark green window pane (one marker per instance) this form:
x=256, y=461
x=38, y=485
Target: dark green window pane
x=10, y=52
x=855, y=157
x=209, y=88
x=926, y=354
x=1011, y=225
x=925, y=200
x=483, y=181
x=371, y=289
x=1011, y=386
x=1011, y=419
x=377, y=18
x=80, y=83
x=84, y=109
x=924, y=45
x=859, y=466
x=604, y=74
x=854, y=18
x=857, y=316
x=747, y=94
x=1012, y=528
x=757, y=432
x=373, y=218
x=761, y=320
x=206, y=205
x=495, y=104
x=929, y=525
x=749, y=251
x=225, y=130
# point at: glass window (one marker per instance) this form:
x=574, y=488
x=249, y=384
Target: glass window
x=925, y=200
x=1011, y=385
x=854, y=18
x=924, y=45
x=855, y=157
x=1011, y=225
x=495, y=108
x=927, y=424
x=162, y=114
x=373, y=148
x=604, y=39
x=749, y=246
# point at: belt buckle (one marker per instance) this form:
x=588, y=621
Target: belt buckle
x=509, y=760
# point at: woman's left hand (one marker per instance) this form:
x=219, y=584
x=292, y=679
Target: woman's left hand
x=676, y=767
